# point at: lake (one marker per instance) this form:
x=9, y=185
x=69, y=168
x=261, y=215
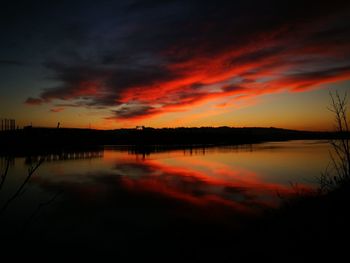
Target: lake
x=117, y=198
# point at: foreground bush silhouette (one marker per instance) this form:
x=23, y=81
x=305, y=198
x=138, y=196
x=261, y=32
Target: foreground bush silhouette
x=338, y=173
x=314, y=226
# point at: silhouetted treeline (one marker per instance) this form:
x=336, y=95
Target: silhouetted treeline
x=49, y=138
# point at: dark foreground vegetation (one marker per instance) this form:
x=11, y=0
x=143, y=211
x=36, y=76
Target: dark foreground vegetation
x=312, y=227
x=36, y=139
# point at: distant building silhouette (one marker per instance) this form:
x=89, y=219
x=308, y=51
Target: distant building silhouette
x=8, y=125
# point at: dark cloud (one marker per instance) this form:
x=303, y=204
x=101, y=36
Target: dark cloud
x=233, y=88
x=139, y=76
x=326, y=73
x=98, y=85
x=256, y=55
x=6, y=62
x=134, y=110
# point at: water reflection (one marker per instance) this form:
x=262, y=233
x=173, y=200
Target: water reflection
x=119, y=195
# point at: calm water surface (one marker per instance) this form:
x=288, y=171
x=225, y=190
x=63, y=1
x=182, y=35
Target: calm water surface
x=118, y=196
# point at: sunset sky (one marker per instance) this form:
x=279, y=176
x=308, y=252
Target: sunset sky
x=114, y=64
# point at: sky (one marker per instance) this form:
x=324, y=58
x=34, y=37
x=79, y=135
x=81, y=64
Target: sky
x=170, y=63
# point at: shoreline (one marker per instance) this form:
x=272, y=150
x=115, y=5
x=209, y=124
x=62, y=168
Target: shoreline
x=49, y=137
x=148, y=140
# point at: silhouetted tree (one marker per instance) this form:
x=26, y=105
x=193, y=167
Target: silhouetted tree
x=4, y=173
x=31, y=171
x=340, y=156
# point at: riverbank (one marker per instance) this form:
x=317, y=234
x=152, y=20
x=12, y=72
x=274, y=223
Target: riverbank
x=145, y=139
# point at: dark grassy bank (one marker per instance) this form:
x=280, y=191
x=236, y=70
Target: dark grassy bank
x=313, y=227
x=310, y=229
x=46, y=138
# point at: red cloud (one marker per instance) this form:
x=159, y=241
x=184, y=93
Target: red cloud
x=33, y=101
x=56, y=110
x=291, y=57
